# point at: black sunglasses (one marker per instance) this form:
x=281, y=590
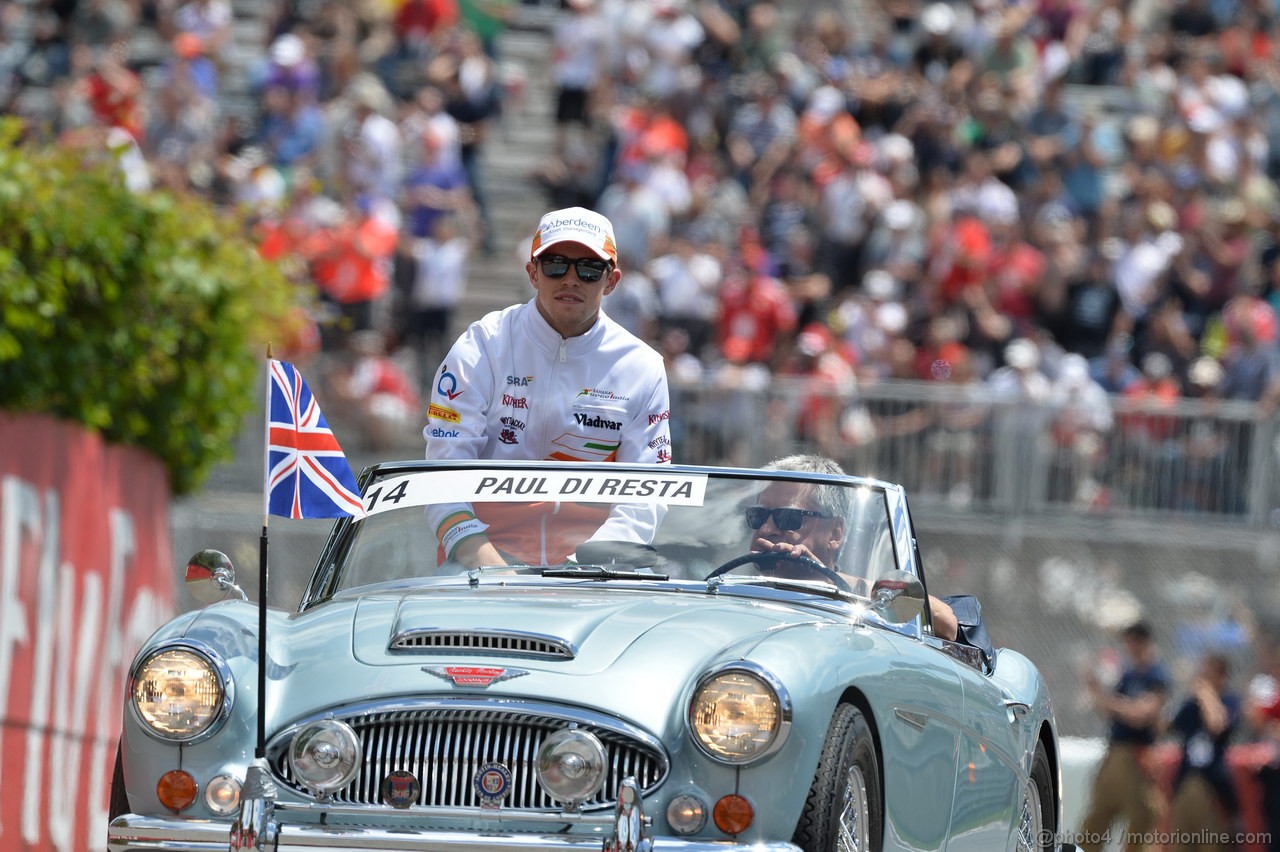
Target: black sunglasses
x=784, y=518
x=589, y=269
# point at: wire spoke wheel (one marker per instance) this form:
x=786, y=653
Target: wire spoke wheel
x=855, y=819
x=1031, y=820
x=1037, y=813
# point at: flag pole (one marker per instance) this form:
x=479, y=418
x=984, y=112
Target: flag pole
x=261, y=750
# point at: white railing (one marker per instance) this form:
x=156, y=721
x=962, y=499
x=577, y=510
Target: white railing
x=1216, y=461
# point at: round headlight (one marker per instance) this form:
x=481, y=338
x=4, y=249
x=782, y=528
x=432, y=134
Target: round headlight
x=325, y=756
x=179, y=694
x=571, y=765
x=737, y=716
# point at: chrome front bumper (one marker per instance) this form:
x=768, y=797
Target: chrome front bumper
x=134, y=833
x=256, y=829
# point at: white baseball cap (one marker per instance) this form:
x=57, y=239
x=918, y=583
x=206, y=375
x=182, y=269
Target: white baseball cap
x=576, y=225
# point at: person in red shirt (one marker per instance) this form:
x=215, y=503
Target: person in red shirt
x=417, y=22
x=351, y=263
x=382, y=393
x=755, y=309
x=113, y=91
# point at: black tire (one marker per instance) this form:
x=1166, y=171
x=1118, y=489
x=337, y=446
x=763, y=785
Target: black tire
x=1037, y=832
x=119, y=800
x=834, y=807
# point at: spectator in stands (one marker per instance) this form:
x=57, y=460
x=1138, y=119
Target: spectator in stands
x=577, y=68
x=1081, y=425
x=378, y=390
x=440, y=278
x=687, y=280
x=1124, y=786
x=438, y=186
x=1204, y=798
x=754, y=313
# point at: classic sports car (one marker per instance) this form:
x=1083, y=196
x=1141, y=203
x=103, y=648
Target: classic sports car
x=639, y=674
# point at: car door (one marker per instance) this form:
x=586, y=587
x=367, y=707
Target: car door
x=987, y=766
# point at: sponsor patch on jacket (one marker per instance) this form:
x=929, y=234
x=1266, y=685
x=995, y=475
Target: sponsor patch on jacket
x=595, y=421
x=440, y=412
x=515, y=401
x=659, y=418
x=519, y=381
x=602, y=395
x=448, y=384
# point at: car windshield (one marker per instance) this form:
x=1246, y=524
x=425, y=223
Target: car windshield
x=654, y=523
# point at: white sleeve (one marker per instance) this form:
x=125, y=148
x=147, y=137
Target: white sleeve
x=458, y=410
x=647, y=438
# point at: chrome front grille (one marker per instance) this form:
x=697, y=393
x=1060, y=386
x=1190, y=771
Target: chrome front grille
x=473, y=641
x=444, y=746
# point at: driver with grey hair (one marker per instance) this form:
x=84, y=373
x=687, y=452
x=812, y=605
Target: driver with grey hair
x=807, y=520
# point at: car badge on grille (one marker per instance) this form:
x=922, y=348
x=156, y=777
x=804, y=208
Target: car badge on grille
x=400, y=789
x=481, y=676
x=492, y=784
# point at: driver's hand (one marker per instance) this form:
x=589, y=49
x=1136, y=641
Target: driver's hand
x=763, y=545
x=476, y=551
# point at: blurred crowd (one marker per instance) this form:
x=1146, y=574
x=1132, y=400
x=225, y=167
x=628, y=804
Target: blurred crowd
x=1043, y=197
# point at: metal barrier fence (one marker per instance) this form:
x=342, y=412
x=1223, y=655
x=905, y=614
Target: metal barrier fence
x=1189, y=458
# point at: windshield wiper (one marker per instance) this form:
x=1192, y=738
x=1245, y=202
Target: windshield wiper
x=827, y=590
x=599, y=572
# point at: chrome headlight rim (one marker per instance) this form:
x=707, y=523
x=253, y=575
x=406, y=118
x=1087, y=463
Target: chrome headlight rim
x=766, y=677
x=221, y=671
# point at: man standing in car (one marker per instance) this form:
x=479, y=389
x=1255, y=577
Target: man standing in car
x=554, y=378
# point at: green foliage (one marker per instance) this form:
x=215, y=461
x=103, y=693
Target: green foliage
x=142, y=316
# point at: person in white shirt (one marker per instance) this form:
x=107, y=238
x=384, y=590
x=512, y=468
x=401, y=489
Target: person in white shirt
x=554, y=378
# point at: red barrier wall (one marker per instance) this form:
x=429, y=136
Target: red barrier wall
x=85, y=577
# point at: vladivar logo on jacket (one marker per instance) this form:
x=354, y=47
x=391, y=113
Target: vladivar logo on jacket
x=597, y=422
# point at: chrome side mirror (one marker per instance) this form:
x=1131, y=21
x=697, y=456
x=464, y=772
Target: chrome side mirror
x=898, y=597
x=210, y=577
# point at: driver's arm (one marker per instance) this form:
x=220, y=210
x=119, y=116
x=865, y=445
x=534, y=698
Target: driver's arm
x=945, y=624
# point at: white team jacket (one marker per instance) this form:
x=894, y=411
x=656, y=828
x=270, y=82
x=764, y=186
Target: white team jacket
x=512, y=388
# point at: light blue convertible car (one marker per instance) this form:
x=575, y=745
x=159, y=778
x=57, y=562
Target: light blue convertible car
x=664, y=659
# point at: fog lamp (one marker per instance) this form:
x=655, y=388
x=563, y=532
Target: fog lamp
x=176, y=790
x=324, y=756
x=222, y=795
x=686, y=814
x=571, y=765
x=733, y=814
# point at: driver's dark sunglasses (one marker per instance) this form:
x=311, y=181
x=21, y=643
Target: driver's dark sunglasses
x=784, y=518
x=589, y=269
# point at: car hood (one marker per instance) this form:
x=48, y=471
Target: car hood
x=569, y=631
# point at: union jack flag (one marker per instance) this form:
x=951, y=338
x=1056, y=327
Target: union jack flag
x=307, y=473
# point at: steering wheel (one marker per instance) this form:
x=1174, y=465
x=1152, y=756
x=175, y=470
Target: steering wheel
x=770, y=557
